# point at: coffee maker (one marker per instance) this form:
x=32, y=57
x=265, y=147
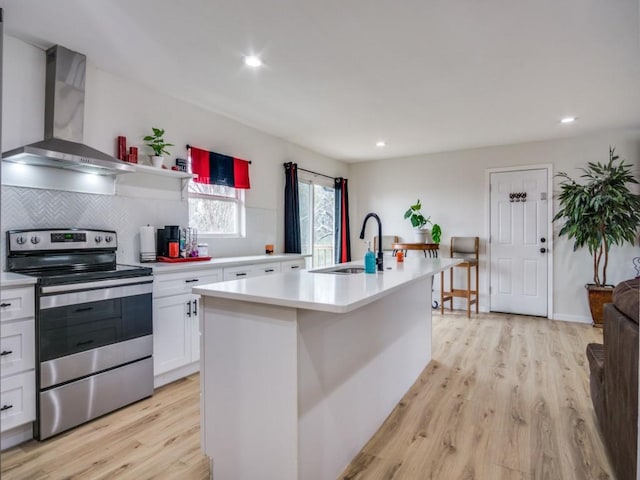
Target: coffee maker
x=168, y=241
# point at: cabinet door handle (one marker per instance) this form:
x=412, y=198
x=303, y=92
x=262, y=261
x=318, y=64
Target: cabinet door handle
x=5, y=407
x=85, y=309
x=295, y=266
x=191, y=280
x=87, y=342
x=6, y=352
x=241, y=274
x=5, y=304
x=269, y=270
x=195, y=307
x=188, y=308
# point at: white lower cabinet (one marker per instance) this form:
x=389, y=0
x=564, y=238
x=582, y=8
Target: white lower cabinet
x=172, y=335
x=18, y=400
x=176, y=329
x=17, y=364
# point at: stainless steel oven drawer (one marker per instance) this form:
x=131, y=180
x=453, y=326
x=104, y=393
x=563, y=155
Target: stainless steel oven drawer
x=63, y=369
x=65, y=407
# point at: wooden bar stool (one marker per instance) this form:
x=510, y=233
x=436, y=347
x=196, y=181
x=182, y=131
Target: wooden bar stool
x=466, y=248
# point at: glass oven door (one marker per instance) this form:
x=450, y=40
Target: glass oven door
x=84, y=331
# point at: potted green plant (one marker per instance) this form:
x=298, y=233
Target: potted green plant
x=158, y=145
x=598, y=213
x=419, y=221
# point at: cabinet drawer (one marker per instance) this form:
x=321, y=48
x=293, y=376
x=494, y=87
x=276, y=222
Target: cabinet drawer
x=17, y=303
x=18, y=400
x=299, y=264
x=237, y=273
x=267, y=269
x=165, y=284
x=17, y=347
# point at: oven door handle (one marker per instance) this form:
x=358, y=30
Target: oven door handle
x=116, y=282
x=94, y=295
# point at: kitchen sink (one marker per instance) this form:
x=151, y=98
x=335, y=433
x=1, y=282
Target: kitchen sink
x=340, y=270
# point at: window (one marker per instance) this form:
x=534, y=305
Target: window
x=216, y=209
x=316, y=219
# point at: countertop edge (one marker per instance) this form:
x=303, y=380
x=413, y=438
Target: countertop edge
x=10, y=279
x=223, y=262
x=317, y=306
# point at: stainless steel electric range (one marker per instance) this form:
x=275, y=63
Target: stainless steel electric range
x=94, y=325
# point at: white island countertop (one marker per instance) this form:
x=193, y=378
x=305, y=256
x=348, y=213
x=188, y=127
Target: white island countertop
x=313, y=290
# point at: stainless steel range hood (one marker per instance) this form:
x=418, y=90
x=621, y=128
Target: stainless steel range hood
x=62, y=146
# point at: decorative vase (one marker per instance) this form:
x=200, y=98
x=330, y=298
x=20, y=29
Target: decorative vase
x=157, y=161
x=598, y=296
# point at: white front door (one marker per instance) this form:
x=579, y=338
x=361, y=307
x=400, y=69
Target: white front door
x=519, y=242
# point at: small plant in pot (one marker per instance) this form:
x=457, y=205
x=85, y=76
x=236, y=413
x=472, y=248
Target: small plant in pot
x=419, y=221
x=598, y=213
x=158, y=145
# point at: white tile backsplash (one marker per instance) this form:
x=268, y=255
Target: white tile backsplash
x=36, y=208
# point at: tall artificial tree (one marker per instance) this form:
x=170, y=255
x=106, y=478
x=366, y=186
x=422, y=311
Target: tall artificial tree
x=601, y=211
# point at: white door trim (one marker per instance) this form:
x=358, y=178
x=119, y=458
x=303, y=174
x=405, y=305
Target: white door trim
x=549, y=168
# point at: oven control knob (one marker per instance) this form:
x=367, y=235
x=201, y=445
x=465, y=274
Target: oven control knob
x=21, y=240
x=108, y=238
x=98, y=238
x=35, y=240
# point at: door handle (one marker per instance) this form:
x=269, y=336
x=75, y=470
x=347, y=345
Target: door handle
x=6, y=352
x=195, y=307
x=543, y=250
x=189, y=308
x=6, y=407
x=5, y=305
x=192, y=280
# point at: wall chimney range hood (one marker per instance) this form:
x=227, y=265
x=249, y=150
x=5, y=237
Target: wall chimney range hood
x=62, y=146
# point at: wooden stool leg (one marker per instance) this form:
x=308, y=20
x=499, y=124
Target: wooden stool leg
x=477, y=288
x=469, y=291
x=442, y=292
x=451, y=288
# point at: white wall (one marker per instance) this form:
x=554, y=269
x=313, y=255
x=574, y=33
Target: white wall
x=115, y=106
x=453, y=190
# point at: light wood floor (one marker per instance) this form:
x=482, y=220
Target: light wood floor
x=156, y=438
x=506, y=397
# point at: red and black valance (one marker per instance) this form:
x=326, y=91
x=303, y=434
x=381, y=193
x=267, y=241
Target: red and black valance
x=217, y=169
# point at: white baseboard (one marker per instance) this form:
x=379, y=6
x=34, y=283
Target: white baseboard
x=572, y=318
x=16, y=436
x=177, y=374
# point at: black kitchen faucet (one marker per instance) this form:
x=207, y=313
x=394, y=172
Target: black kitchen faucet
x=364, y=224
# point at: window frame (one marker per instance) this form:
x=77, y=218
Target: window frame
x=313, y=180
x=238, y=199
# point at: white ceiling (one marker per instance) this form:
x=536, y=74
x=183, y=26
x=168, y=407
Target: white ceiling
x=424, y=75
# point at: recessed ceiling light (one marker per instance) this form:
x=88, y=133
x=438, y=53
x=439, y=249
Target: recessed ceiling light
x=381, y=144
x=568, y=120
x=252, y=61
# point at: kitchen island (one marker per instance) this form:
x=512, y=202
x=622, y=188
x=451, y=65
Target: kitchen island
x=299, y=369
